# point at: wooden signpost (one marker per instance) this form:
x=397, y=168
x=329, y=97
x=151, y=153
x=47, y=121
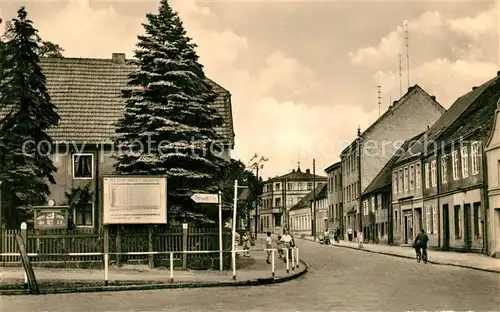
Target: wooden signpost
x=21, y=239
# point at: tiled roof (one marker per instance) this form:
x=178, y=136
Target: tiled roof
x=460, y=111
x=297, y=175
x=320, y=192
x=384, y=177
x=333, y=167
x=87, y=94
x=404, y=98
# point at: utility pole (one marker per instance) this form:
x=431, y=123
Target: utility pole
x=358, y=158
x=400, y=75
x=314, y=200
x=257, y=163
x=285, y=211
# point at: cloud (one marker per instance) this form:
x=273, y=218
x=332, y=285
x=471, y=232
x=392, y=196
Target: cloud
x=447, y=55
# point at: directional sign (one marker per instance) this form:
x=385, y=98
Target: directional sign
x=205, y=198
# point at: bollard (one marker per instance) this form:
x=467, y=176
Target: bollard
x=297, y=249
x=171, y=267
x=293, y=259
x=106, y=263
x=272, y=262
x=287, y=263
x=234, y=264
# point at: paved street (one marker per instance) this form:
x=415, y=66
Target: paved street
x=339, y=279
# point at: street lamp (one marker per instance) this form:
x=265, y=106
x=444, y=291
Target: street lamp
x=257, y=163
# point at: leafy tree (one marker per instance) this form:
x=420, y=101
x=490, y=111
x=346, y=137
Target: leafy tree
x=168, y=113
x=49, y=49
x=29, y=112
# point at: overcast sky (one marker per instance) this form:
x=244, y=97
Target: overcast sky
x=303, y=74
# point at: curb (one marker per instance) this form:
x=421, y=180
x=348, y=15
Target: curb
x=253, y=282
x=410, y=257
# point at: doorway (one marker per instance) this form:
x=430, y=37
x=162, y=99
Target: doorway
x=467, y=227
x=446, y=227
x=408, y=224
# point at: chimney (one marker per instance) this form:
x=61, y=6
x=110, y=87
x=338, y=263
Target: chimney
x=433, y=97
x=118, y=58
x=308, y=171
x=498, y=73
x=474, y=88
x=293, y=170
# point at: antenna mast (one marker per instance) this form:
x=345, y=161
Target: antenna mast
x=405, y=23
x=379, y=99
x=400, y=79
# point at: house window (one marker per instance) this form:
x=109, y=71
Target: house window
x=83, y=166
x=406, y=179
x=428, y=217
x=277, y=220
x=395, y=183
x=434, y=219
x=458, y=222
x=379, y=201
x=412, y=177
x=427, y=180
x=477, y=218
x=84, y=215
x=465, y=162
x=290, y=186
x=475, y=157
x=444, y=171
x=418, y=175
x=365, y=207
x=289, y=201
x=309, y=186
x=401, y=179
x=277, y=202
x=455, y=161
x=277, y=187
x=373, y=204
x=433, y=173
x=396, y=222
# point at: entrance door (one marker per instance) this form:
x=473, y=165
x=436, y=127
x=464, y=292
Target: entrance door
x=467, y=227
x=446, y=227
x=406, y=229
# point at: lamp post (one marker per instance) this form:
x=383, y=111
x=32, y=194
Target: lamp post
x=257, y=163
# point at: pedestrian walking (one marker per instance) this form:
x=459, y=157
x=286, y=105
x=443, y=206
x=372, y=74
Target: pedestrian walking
x=246, y=244
x=269, y=245
x=349, y=234
x=288, y=242
x=280, y=246
x=337, y=232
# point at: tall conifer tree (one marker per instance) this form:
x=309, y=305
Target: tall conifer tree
x=24, y=144
x=168, y=112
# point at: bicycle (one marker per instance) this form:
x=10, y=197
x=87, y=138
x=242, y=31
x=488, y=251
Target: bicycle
x=421, y=257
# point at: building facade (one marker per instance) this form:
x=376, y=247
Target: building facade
x=335, y=208
x=87, y=94
x=492, y=153
x=280, y=194
x=378, y=197
x=301, y=217
x=376, y=145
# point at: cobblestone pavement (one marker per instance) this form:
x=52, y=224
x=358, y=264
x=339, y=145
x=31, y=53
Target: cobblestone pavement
x=339, y=279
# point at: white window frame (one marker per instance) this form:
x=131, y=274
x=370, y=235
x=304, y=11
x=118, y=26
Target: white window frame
x=427, y=175
x=475, y=157
x=428, y=219
x=379, y=201
x=412, y=177
x=395, y=183
x=406, y=177
x=455, y=164
x=465, y=161
x=433, y=173
x=401, y=179
x=365, y=207
x=73, y=168
x=373, y=204
x=418, y=175
x=93, y=217
x=444, y=170
x=434, y=219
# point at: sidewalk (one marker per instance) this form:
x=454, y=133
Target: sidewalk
x=465, y=260
x=254, y=268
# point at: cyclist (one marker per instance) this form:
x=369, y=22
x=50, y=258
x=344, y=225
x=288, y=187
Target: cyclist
x=421, y=243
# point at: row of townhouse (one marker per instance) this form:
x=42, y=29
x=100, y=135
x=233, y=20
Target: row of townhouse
x=443, y=179
x=280, y=195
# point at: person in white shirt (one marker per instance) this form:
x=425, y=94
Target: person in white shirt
x=269, y=245
x=288, y=243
